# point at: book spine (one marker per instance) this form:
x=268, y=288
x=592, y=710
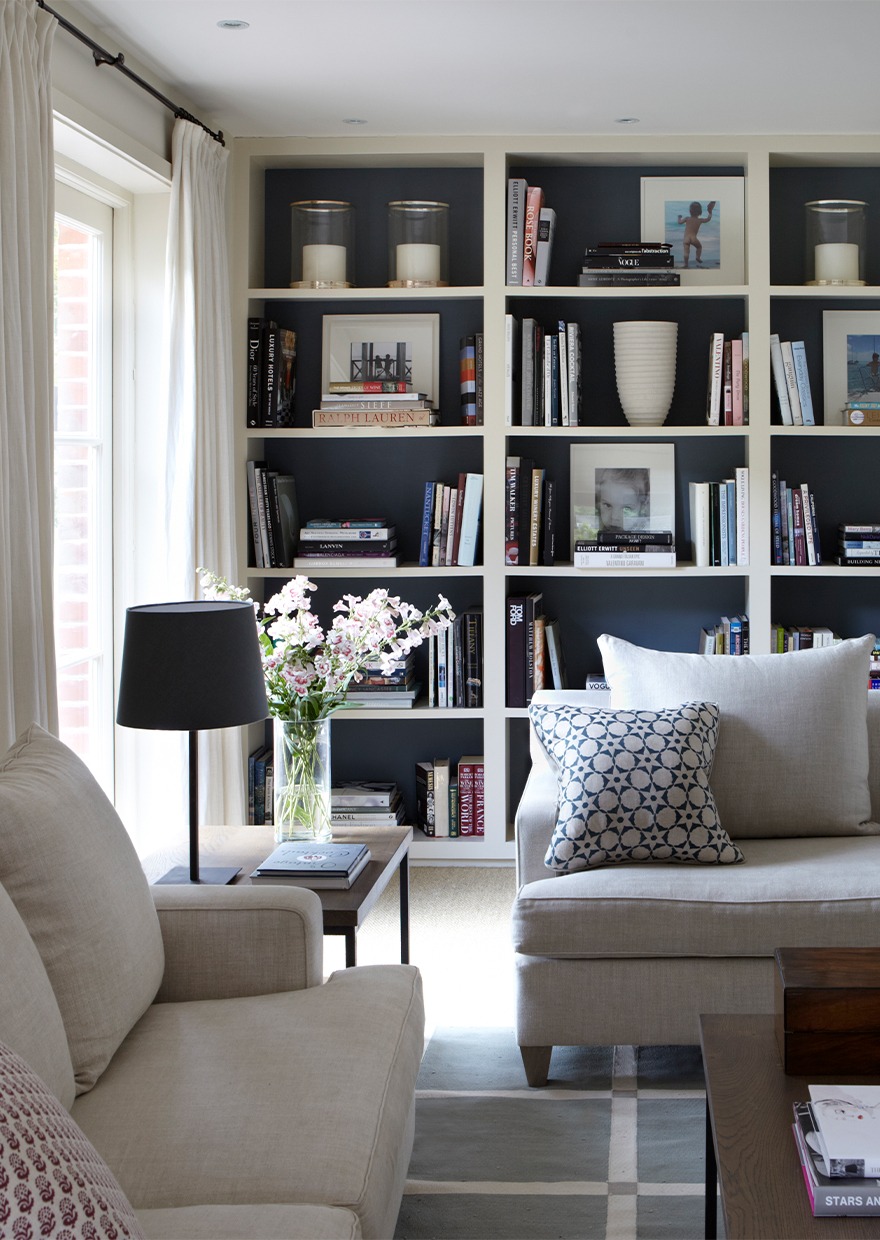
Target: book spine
x=745, y=377
x=546, y=236
x=511, y=368
x=548, y=537
x=527, y=373
x=800, y=548
x=511, y=510
x=714, y=525
x=374, y=417
x=742, y=514
x=794, y=400
x=516, y=651
x=573, y=340
x=516, y=196
x=346, y=533
x=699, y=514
x=808, y=524
x=254, y=369
x=473, y=659
x=425, y=804
x=533, y=611
x=624, y=559
x=459, y=514
x=465, y=798
x=727, y=384
x=736, y=355
x=427, y=519
x=723, y=527
x=369, y=385
x=270, y=374
x=779, y=383
x=480, y=377
x=535, y=517
x=716, y=366
x=562, y=361
x=534, y=203
x=254, y=507
x=467, y=367
x=470, y=520
x=479, y=799
x=605, y=260
x=776, y=518
x=802, y=377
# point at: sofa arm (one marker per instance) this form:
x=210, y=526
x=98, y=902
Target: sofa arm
x=224, y=942
x=535, y=820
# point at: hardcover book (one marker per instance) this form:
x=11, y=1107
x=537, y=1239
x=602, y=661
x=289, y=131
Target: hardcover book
x=313, y=864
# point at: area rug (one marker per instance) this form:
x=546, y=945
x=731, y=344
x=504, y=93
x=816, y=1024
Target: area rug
x=612, y=1149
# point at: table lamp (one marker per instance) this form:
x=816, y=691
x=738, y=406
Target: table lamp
x=188, y=666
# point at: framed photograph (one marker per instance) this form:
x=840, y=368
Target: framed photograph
x=403, y=348
x=851, y=356
x=618, y=487
x=702, y=219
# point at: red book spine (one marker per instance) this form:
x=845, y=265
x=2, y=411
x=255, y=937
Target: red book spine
x=466, y=799
x=479, y=800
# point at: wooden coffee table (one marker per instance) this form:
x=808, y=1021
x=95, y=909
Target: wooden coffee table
x=750, y=1150
x=345, y=911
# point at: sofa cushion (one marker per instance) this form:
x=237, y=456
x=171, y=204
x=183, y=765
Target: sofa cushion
x=792, y=757
x=633, y=785
x=53, y=1182
x=290, y=1097
x=789, y=892
x=74, y=876
x=30, y=1021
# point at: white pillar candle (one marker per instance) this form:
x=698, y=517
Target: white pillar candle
x=323, y=264
x=418, y=262
x=837, y=261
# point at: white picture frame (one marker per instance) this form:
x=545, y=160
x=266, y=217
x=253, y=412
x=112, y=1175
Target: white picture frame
x=643, y=496
x=718, y=235
x=849, y=339
x=409, y=342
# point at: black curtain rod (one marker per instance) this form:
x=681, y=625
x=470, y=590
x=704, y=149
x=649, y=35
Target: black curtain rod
x=103, y=57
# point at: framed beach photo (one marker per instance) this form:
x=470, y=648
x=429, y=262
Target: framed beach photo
x=702, y=219
x=621, y=487
x=387, y=348
x=851, y=357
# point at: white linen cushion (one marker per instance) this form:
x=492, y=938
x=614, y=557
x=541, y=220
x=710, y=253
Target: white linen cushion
x=792, y=756
x=53, y=1182
x=633, y=785
x=72, y=872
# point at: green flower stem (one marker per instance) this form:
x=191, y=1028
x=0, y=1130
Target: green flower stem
x=302, y=780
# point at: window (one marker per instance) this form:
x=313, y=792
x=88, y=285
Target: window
x=83, y=477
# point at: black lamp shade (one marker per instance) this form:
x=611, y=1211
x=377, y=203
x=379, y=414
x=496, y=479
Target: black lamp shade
x=188, y=666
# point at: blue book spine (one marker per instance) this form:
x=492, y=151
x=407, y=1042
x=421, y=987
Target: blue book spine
x=802, y=376
x=731, y=522
x=427, y=526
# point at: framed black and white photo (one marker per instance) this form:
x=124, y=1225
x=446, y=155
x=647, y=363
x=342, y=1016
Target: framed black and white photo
x=621, y=487
x=386, y=348
x=702, y=219
x=851, y=356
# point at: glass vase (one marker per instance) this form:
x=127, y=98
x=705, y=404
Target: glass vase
x=302, y=780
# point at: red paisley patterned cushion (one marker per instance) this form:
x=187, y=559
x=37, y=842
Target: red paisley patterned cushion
x=53, y=1182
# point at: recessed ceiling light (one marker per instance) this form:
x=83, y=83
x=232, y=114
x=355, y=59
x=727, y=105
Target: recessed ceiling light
x=626, y=120
x=233, y=23
x=353, y=120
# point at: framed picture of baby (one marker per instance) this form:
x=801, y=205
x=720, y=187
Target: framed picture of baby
x=701, y=220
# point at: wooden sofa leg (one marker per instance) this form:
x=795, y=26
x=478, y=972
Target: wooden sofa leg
x=536, y=1061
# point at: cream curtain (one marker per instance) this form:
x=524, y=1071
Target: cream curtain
x=199, y=485
x=27, y=207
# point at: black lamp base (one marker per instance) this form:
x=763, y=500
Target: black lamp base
x=218, y=874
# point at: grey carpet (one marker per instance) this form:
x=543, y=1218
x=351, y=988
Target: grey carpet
x=612, y=1149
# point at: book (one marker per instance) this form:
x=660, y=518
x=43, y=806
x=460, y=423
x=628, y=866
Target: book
x=544, y=251
x=269, y=374
x=425, y=799
x=254, y=370
x=327, y=863
x=285, y=386
x=367, y=818
x=745, y=376
x=394, y=698
x=548, y=531
x=736, y=365
x=517, y=188
x=555, y=655
x=375, y=417
x=573, y=344
x=385, y=400
x=480, y=363
x=533, y=612
x=716, y=369
x=285, y=515
x=344, y=561
x=779, y=382
x=346, y=532
x=467, y=367
x=441, y=797
x=794, y=400
x=698, y=494
x=537, y=487
x=427, y=525
x=626, y=260
x=586, y=279
x=830, y=1197
x=534, y=203
x=511, y=510
x=742, y=514
x=847, y=1120
x=378, y=386
x=470, y=519
x=363, y=792
x=353, y=549
x=511, y=368
x=802, y=377
x=516, y=650
x=624, y=559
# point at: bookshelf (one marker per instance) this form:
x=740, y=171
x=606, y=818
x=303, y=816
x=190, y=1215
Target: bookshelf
x=593, y=184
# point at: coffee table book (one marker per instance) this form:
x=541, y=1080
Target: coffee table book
x=310, y=864
x=830, y=1196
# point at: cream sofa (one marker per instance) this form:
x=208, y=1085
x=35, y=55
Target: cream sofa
x=187, y=1032
x=634, y=953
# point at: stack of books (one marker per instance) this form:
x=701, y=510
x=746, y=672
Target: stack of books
x=455, y=662
x=858, y=545
x=719, y=514
x=366, y=803
x=374, y=402
x=274, y=515
x=350, y=542
x=729, y=636
x=394, y=689
x=261, y=786
x=791, y=382
x=837, y=1134
x=626, y=549
x=450, y=802
x=271, y=373
x=307, y=863
x=451, y=521
x=530, y=517
x=628, y=262
x=795, y=529
x=531, y=228
x=800, y=637
x=727, y=392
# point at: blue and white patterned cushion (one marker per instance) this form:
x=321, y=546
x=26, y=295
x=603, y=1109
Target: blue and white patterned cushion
x=633, y=785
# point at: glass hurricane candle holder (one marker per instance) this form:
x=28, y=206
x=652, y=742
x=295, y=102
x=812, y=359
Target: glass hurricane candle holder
x=322, y=244
x=417, y=244
x=835, y=251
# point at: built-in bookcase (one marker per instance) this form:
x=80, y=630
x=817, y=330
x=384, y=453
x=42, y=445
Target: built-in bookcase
x=594, y=186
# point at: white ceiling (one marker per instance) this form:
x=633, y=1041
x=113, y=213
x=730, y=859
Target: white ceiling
x=508, y=66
